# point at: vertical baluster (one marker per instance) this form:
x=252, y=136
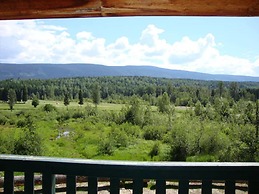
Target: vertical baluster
x=137, y=186
x=230, y=187
x=206, y=187
x=92, y=185
x=71, y=184
x=253, y=186
x=115, y=185
x=183, y=187
x=160, y=186
x=8, y=182
x=48, y=183
x=29, y=183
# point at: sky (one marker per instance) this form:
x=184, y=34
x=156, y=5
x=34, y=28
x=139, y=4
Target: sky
x=216, y=45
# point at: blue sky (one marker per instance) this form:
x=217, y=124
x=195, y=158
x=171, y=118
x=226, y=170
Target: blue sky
x=203, y=44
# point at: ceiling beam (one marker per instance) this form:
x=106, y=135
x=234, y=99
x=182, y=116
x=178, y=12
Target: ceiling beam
x=31, y=9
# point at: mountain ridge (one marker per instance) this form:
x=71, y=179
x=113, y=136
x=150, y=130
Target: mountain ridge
x=51, y=70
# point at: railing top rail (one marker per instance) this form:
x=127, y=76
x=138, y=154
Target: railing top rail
x=4, y=157
x=127, y=169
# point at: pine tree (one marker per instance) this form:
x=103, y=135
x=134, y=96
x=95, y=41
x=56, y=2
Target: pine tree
x=25, y=94
x=66, y=100
x=221, y=88
x=81, y=99
x=96, y=94
x=257, y=120
x=11, y=98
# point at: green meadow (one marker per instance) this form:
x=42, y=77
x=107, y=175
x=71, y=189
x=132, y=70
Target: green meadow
x=110, y=131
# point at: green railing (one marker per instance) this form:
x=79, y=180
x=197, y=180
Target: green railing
x=116, y=171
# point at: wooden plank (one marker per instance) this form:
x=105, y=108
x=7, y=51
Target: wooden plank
x=92, y=185
x=8, y=182
x=48, y=183
x=26, y=9
x=160, y=186
x=22, y=9
x=183, y=187
x=29, y=183
x=137, y=186
x=206, y=187
x=71, y=184
x=230, y=187
x=115, y=185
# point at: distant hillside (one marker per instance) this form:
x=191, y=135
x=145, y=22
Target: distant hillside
x=46, y=71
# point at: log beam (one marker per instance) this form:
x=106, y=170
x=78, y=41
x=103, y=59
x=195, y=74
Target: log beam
x=31, y=9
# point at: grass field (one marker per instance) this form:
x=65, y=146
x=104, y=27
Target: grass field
x=59, y=105
x=73, y=105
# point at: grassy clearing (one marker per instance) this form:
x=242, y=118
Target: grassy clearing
x=60, y=105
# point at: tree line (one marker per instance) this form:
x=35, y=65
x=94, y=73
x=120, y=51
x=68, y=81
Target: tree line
x=115, y=89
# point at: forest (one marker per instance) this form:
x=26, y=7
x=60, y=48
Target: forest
x=130, y=118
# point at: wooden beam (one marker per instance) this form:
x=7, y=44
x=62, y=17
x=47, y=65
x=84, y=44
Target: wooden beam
x=31, y=9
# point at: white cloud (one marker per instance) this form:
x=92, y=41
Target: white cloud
x=33, y=41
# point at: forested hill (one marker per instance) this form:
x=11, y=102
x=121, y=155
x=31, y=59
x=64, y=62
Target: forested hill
x=47, y=71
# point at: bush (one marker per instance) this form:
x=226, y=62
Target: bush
x=154, y=132
x=155, y=150
x=118, y=137
x=105, y=147
x=28, y=144
x=3, y=120
x=63, y=117
x=6, y=144
x=21, y=123
x=131, y=130
x=91, y=111
x=78, y=115
x=49, y=108
x=178, y=145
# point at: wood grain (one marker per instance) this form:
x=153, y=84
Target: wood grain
x=25, y=9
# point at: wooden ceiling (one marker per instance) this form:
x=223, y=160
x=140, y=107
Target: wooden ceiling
x=25, y=9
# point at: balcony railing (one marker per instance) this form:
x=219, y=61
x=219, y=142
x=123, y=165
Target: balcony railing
x=115, y=171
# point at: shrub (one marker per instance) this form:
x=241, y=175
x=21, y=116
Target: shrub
x=155, y=150
x=78, y=115
x=178, y=145
x=49, y=108
x=131, y=130
x=105, y=147
x=91, y=111
x=63, y=117
x=28, y=144
x=118, y=137
x=3, y=120
x=178, y=152
x=21, y=123
x=6, y=144
x=154, y=132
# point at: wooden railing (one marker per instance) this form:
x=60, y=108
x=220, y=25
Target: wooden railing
x=161, y=172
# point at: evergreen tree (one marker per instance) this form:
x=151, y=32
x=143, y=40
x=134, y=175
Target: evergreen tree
x=35, y=101
x=81, y=99
x=234, y=91
x=5, y=94
x=11, y=98
x=257, y=119
x=66, y=100
x=96, y=94
x=25, y=94
x=221, y=88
